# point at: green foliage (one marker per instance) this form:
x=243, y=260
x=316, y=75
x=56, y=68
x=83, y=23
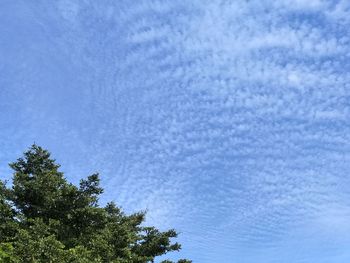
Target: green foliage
x=7, y=253
x=43, y=218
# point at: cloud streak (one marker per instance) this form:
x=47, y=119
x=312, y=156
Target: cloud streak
x=226, y=119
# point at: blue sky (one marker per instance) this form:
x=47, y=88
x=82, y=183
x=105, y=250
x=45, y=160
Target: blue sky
x=228, y=120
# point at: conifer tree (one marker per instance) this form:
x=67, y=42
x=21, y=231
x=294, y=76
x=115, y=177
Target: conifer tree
x=44, y=218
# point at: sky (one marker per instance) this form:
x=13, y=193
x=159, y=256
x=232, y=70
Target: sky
x=227, y=120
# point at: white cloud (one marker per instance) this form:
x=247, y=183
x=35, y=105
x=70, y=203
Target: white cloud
x=232, y=112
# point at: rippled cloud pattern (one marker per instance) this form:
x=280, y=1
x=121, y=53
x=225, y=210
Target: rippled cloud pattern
x=228, y=120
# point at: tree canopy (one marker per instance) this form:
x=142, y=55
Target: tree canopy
x=44, y=218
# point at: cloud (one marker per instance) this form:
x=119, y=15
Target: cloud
x=226, y=119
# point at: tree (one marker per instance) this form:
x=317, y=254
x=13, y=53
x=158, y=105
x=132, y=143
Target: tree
x=44, y=218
